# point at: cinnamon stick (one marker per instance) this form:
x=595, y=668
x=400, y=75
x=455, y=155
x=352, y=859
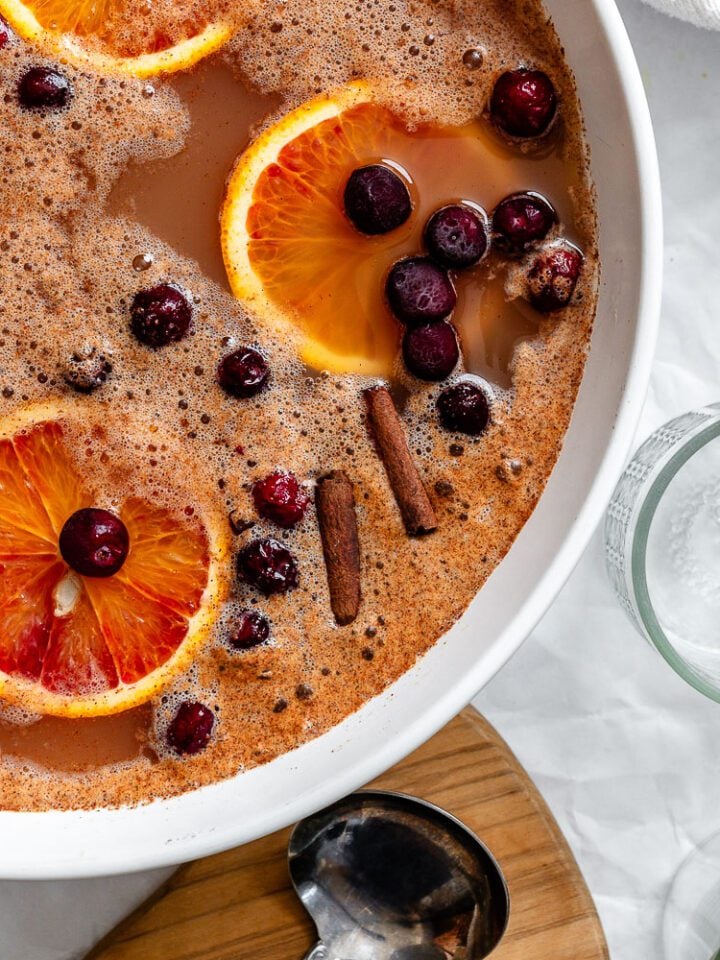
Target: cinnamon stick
x=410, y=494
x=335, y=506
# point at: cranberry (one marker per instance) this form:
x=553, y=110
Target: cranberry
x=523, y=103
x=457, y=236
x=419, y=291
x=86, y=370
x=252, y=629
x=553, y=276
x=464, y=407
x=376, y=199
x=160, y=315
x=243, y=373
x=94, y=542
x=42, y=88
x=431, y=351
x=522, y=220
x=267, y=565
x=279, y=497
x=4, y=34
x=190, y=729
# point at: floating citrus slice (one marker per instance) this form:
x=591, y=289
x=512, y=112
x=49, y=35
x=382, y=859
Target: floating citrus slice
x=82, y=32
x=291, y=253
x=78, y=646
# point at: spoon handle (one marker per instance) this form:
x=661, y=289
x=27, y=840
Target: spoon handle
x=317, y=952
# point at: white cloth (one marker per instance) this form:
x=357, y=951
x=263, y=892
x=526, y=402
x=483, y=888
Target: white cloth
x=703, y=13
x=624, y=752
x=63, y=919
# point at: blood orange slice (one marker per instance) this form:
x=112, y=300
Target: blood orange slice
x=80, y=646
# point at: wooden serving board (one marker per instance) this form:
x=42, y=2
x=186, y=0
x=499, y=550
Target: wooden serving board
x=239, y=905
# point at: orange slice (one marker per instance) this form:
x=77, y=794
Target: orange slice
x=82, y=32
x=77, y=646
x=293, y=256
x=289, y=250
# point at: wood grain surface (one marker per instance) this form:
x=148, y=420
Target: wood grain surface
x=239, y=905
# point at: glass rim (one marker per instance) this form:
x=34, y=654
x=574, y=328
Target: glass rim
x=646, y=514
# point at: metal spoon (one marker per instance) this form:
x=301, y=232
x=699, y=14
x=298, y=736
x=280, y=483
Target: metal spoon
x=385, y=876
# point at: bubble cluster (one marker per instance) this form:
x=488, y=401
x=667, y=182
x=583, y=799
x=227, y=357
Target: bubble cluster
x=436, y=59
x=18, y=716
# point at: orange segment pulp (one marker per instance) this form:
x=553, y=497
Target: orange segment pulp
x=59, y=489
x=82, y=17
x=83, y=32
x=79, y=646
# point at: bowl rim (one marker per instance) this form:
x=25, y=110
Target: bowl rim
x=423, y=725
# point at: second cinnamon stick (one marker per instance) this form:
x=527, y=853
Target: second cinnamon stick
x=412, y=499
x=335, y=504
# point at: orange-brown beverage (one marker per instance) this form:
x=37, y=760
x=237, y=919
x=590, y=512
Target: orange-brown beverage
x=295, y=305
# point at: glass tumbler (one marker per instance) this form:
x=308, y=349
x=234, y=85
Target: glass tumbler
x=662, y=545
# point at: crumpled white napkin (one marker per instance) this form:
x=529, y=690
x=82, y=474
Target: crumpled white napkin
x=63, y=919
x=703, y=13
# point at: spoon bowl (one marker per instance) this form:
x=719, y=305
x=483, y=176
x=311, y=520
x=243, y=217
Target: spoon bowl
x=386, y=876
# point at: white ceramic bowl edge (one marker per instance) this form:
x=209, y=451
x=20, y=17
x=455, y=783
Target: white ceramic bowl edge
x=624, y=164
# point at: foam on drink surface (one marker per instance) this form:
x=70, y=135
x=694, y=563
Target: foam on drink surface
x=77, y=249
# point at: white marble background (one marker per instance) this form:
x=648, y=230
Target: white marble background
x=625, y=753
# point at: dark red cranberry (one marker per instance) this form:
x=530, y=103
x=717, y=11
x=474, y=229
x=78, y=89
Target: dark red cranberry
x=522, y=220
x=464, y=407
x=190, y=729
x=250, y=630
x=419, y=291
x=94, y=542
x=280, y=498
x=4, y=34
x=457, y=236
x=523, y=103
x=553, y=276
x=376, y=199
x=267, y=565
x=42, y=88
x=160, y=315
x=243, y=373
x=431, y=352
